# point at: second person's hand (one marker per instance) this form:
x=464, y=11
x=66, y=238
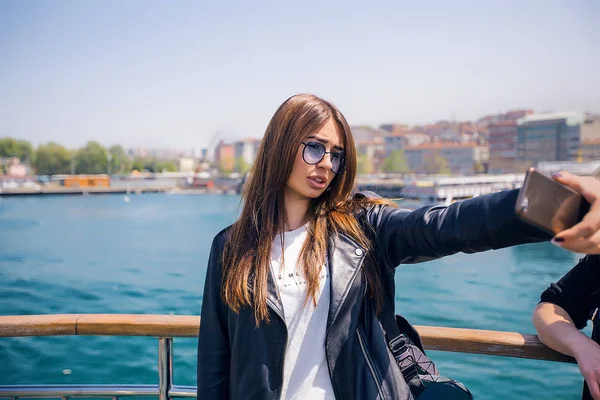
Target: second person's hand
x=584, y=237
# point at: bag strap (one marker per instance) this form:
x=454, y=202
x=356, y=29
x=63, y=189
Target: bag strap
x=399, y=333
x=398, y=343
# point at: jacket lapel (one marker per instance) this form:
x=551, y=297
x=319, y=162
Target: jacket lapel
x=345, y=259
x=273, y=299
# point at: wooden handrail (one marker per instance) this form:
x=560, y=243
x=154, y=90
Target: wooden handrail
x=510, y=344
x=100, y=324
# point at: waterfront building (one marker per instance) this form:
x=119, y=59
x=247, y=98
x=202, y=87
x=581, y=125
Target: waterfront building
x=246, y=149
x=461, y=157
x=502, y=138
x=557, y=136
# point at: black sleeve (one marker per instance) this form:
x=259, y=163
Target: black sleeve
x=572, y=292
x=479, y=224
x=213, y=341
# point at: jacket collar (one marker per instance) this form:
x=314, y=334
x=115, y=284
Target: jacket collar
x=345, y=258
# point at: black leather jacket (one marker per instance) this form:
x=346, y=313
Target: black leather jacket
x=236, y=360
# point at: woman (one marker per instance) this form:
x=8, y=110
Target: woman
x=296, y=288
x=564, y=309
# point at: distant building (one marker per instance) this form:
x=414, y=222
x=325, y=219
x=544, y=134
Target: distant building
x=246, y=149
x=187, y=164
x=590, y=150
x=502, y=138
x=374, y=150
x=461, y=158
x=225, y=156
x=590, y=139
x=370, y=143
x=558, y=136
x=483, y=123
x=362, y=133
x=442, y=131
x=415, y=139
x=394, y=143
x=394, y=128
x=503, y=146
x=399, y=141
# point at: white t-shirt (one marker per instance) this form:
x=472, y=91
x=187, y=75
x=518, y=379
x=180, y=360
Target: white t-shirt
x=305, y=371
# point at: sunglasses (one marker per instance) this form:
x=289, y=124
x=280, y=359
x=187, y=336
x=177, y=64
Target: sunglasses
x=314, y=152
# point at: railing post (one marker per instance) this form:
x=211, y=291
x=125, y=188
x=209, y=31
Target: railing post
x=165, y=367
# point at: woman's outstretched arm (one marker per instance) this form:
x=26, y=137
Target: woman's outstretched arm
x=482, y=223
x=479, y=224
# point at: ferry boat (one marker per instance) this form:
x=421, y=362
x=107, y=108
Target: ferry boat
x=451, y=188
x=167, y=327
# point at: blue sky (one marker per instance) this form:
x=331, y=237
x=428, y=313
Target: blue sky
x=173, y=73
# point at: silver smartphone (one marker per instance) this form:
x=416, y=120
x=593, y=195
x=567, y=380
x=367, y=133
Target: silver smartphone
x=549, y=205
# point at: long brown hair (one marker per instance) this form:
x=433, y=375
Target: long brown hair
x=247, y=251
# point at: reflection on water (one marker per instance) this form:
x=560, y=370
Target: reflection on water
x=551, y=261
x=542, y=252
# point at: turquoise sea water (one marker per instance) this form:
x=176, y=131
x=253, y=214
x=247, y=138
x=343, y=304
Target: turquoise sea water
x=100, y=254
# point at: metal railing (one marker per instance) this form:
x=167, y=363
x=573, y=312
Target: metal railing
x=166, y=327
x=164, y=390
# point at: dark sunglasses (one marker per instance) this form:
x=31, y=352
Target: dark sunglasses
x=314, y=152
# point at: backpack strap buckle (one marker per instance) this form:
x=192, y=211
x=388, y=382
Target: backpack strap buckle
x=399, y=346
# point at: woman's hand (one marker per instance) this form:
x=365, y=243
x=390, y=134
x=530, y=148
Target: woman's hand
x=588, y=360
x=584, y=237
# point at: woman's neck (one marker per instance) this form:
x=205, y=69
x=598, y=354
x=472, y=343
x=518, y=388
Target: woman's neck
x=296, y=213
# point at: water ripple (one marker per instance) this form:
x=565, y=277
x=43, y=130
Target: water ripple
x=97, y=254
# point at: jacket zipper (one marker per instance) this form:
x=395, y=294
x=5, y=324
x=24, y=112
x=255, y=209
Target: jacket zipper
x=369, y=363
x=327, y=331
x=274, y=307
x=282, y=365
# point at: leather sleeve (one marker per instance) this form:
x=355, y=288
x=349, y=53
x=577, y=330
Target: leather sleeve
x=213, y=343
x=482, y=223
x=574, y=290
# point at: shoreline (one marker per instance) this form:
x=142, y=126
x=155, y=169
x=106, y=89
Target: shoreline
x=16, y=192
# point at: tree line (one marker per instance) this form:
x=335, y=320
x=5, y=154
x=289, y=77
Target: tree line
x=52, y=158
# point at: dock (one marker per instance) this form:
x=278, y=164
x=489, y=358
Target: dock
x=448, y=189
x=435, y=189
x=389, y=188
x=79, y=191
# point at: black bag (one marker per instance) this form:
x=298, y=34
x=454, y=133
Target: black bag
x=420, y=373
